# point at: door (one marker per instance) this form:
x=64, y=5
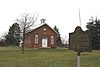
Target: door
x=44, y=42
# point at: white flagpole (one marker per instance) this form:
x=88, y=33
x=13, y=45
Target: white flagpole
x=78, y=52
x=79, y=17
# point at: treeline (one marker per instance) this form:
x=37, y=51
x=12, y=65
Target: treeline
x=14, y=35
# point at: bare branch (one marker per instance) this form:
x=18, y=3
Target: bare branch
x=25, y=23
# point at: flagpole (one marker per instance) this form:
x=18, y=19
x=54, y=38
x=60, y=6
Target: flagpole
x=79, y=17
x=78, y=52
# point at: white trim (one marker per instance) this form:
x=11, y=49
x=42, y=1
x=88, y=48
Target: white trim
x=39, y=25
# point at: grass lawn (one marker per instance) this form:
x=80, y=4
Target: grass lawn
x=12, y=57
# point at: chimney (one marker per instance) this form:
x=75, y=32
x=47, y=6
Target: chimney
x=43, y=21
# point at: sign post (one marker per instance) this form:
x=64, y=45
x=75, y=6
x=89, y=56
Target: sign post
x=79, y=41
x=78, y=58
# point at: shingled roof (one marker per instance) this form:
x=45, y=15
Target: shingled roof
x=38, y=26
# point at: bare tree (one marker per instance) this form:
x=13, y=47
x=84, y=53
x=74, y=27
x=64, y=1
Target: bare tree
x=26, y=21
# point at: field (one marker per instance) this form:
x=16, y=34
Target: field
x=12, y=57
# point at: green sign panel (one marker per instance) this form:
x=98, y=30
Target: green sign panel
x=79, y=40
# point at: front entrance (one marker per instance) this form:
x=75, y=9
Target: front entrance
x=44, y=41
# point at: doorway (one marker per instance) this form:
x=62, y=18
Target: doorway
x=44, y=41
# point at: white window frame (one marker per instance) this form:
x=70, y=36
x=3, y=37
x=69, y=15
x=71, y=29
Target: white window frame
x=36, y=39
x=52, y=39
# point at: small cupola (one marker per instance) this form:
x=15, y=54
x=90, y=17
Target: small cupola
x=43, y=21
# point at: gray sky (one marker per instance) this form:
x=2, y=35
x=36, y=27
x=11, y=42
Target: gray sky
x=62, y=13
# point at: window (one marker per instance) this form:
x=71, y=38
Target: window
x=44, y=29
x=52, y=39
x=36, y=39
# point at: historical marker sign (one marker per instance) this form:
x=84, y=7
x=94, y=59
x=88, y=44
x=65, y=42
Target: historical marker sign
x=79, y=40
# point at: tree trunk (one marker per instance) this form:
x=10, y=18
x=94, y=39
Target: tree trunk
x=23, y=40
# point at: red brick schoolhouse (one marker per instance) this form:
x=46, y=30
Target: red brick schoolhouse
x=41, y=36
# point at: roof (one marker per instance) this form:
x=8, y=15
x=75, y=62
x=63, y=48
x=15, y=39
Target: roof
x=39, y=25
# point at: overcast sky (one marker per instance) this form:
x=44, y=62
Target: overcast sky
x=62, y=13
